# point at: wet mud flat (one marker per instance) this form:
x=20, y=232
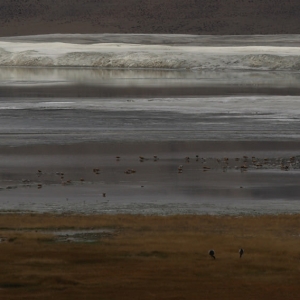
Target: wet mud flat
x=136, y=256
x=161, y=178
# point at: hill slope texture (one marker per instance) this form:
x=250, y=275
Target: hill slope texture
x=143, y=16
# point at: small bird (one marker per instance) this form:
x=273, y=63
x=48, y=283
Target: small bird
x=241, y=252
x=212, y=253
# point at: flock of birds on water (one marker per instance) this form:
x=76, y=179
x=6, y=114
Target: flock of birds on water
x=245, y=163
x=242, y=164
x=212, y=253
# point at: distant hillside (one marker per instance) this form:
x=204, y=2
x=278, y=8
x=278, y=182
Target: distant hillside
x=25, y=17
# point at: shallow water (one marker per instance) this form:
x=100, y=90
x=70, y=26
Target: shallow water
x=45, y=106
x=75, y=120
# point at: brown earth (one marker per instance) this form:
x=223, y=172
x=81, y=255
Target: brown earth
x=155, y=16
x=150, y=257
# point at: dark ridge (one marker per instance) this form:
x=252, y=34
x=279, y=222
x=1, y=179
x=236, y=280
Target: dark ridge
x=233, y=17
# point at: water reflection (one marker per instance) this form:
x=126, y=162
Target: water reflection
x=80, y=82
x=142, y=77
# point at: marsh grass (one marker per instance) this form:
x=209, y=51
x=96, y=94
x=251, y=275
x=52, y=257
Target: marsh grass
x=151, y=257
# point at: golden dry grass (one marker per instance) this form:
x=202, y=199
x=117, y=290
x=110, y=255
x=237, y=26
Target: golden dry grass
x=151, y=257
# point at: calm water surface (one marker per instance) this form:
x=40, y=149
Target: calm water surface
x=172, y=114
x=40, y=106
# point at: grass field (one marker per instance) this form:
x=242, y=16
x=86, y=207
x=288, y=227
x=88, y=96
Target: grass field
x=150, y=257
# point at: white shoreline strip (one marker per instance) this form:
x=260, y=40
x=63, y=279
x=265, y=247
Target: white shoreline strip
x=120, y=55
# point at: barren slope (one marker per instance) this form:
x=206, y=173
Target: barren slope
x=156, y=16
